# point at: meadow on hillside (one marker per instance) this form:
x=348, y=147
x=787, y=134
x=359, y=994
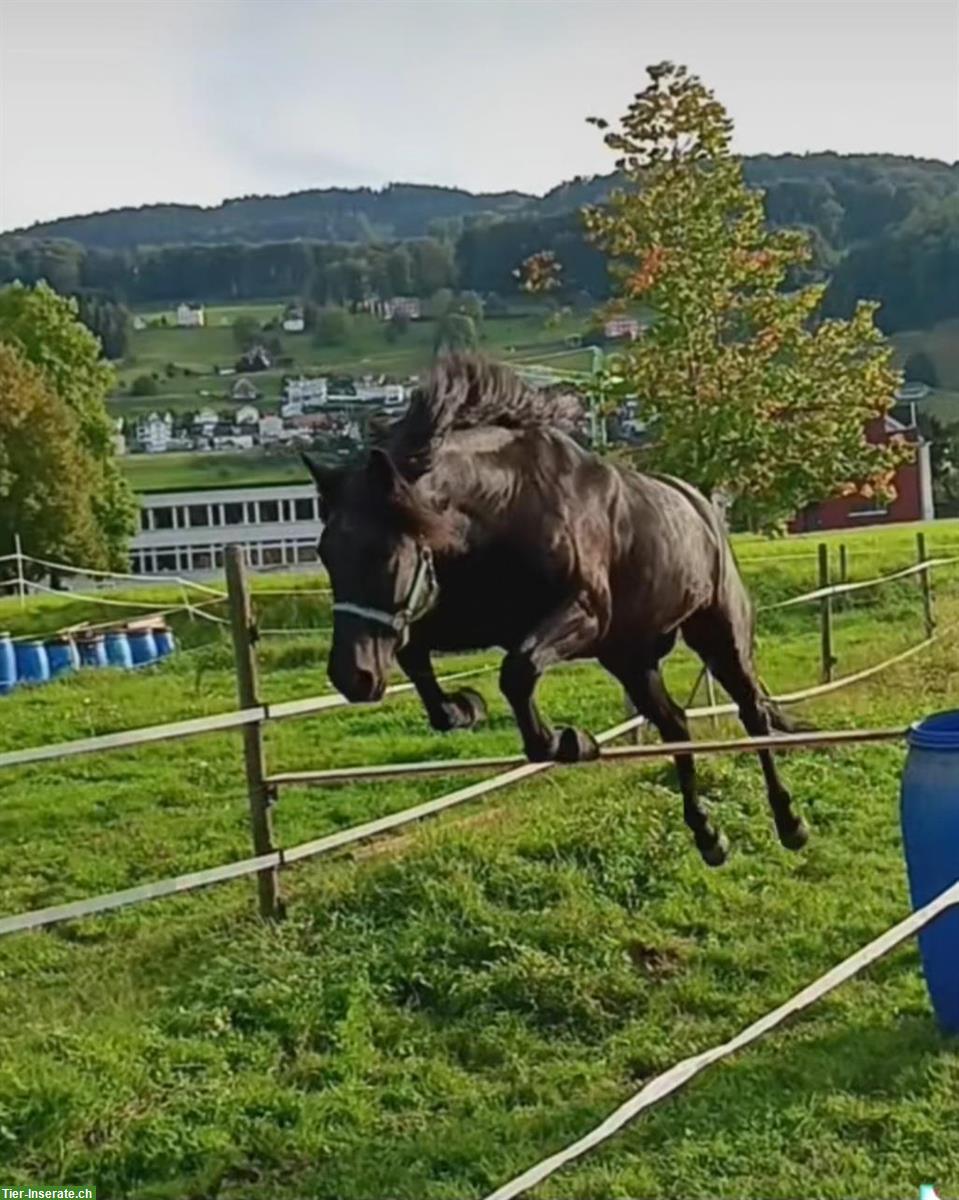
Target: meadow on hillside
x=446, y=1007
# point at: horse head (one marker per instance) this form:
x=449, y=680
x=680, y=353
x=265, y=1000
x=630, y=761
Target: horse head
x=377, y=546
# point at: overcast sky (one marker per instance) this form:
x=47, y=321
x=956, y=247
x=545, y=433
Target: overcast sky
x=106, y=103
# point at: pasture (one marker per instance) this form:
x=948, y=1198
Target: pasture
x=195, y=352
x=444, y=1008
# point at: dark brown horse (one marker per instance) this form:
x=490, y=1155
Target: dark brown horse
x=480, y=522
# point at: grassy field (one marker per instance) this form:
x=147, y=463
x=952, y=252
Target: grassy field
x=158, y=472
x=442, y=1010
x=195, y=352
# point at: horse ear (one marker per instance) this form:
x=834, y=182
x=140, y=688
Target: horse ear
x=327, y=480
x=382, y=472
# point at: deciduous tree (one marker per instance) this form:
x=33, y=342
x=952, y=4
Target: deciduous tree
x=46, y=475
x=745, y=388
x=44, y=328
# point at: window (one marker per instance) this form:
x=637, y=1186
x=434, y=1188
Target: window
x=202, y=560
x=285, y=510
x=184, y=560
x=306, y=552
x=166, y=560
x=199, y=515
x=252, y=516
x=163, y=518
x=272, y=555
x=305, y=510
x=233, y=514
x=136, y=564
x=218, y=556
x=269, y=511
x=216, y=514
x=144, y=518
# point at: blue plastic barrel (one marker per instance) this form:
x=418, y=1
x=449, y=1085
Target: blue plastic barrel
x=92, y=650
x=119, y=650
x=62, y=656
x=8, y=665
x=143, y=647
x=930, y=828
x=32, y=663
x=164, y=640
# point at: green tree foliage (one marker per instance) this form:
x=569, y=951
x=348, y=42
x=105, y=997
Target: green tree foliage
x=109, y=321
x=47, y=475
x=455, y=332
x=333, y=325
x=746, y=390
x=396, y=327
x=400, y=272
x=246, y=332
x=920, y=368
x=441, y=302
x=45, y=329
x=144, y=385
x=912, y=271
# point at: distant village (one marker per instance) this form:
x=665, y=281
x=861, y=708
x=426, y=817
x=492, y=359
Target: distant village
x=312, y=409
x=309, y=411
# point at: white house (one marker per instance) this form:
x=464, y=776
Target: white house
x=622, y=327
x=302, y=389
x=271, y=429
x=293, y=320
x=244, y=389
x=190, y=316
x=206, y=421
x=154, y=433
x=246, y=414
x=391, y=395
x=402, y=306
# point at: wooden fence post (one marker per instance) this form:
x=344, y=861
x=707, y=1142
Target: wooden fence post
x=825, y=615
x=21, y=577
x=711, y=698
x=925, y=581
x=843, y=563
x=247, y=686
x=629, y=708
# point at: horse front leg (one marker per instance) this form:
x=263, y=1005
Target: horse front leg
x=567, y=632
x=462, y=709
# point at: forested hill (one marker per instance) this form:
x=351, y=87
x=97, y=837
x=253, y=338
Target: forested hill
x=882, y=228
x=400, y=210
x=846, y=198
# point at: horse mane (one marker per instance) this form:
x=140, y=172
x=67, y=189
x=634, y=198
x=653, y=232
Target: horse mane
x=466, y=391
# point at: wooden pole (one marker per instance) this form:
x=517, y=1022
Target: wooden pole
x=925, y=582
x=711, y=698
x=247, y=686
x=825, y=615
x=843, y=563
x=21, y=578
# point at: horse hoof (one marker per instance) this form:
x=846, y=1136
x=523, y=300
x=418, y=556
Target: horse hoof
x=716, y=854
x=795, y=837
x=470, y=708
x=575, y=745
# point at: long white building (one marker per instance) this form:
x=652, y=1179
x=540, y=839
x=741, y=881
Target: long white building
x=185, y=532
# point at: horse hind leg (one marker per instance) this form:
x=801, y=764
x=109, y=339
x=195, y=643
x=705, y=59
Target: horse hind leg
x=713, y=638
x=648, y=693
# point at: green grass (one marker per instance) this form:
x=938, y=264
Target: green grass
x=197, y=351
x=442, y=1011
x=159, y=472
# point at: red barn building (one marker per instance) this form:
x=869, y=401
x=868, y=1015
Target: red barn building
x=913, y=485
